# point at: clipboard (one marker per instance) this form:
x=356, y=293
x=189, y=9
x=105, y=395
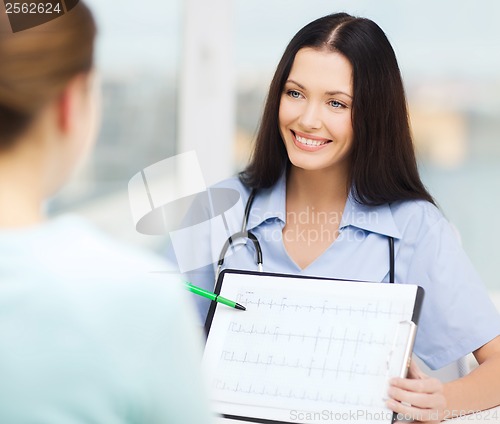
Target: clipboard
x=307, y=349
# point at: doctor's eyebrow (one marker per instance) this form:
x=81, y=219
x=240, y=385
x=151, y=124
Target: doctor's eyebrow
x=328, y=93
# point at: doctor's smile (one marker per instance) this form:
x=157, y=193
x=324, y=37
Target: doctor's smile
x=309, y=142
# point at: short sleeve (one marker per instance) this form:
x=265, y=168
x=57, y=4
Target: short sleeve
x=457, y=314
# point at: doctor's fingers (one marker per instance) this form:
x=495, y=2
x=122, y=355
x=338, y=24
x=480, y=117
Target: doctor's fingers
x=435, y=401
x=418, y=385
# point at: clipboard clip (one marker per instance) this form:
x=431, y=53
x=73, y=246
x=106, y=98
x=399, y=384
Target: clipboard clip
x=400, y=369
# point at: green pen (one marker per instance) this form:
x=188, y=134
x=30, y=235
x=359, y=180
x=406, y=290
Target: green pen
x=212, y=296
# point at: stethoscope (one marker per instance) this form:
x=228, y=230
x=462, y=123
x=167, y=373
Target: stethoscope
x=245, y=234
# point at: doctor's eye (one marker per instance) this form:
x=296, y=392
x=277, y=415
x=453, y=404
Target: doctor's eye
x=336, y=104
x=294, y=94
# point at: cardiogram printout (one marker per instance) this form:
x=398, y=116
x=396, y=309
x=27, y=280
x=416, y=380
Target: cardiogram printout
x=307, y=350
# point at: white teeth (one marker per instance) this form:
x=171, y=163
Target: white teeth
x=309, y=142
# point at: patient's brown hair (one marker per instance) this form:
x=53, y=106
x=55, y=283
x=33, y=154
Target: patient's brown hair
x=37, y=63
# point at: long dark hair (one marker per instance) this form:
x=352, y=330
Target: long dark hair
x=383, y=167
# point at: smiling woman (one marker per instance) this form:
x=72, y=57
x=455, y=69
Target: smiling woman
x=371, y=77
x=335, y=141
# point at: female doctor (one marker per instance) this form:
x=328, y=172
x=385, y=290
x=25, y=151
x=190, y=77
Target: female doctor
x=335, y=192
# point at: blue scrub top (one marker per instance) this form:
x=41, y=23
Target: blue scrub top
x=457, y=315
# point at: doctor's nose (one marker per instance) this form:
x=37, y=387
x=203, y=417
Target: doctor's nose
x=310, y=117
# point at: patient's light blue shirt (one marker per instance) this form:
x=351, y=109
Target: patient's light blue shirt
x=457, y=315
x=91, y=331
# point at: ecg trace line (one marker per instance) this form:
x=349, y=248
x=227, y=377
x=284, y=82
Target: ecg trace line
x=223, y=386
x=235, y=327
x=228, y=356
x=365, y=311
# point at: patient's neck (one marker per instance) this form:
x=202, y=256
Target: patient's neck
x=21, y=192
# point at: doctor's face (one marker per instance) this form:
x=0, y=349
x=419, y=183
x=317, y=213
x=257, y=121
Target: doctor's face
x=315, y=110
